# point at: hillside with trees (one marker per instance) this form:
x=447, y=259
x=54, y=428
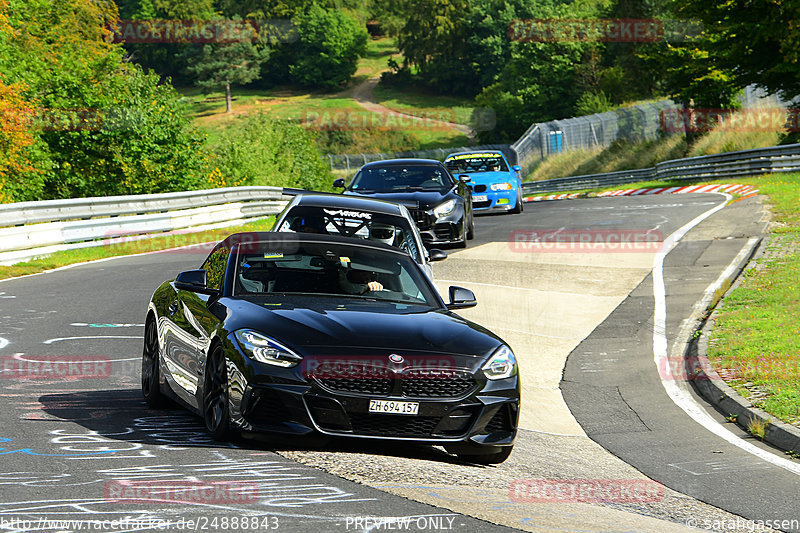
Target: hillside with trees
x=86, y=109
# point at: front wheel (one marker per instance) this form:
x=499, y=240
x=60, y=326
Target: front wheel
x=216, y=413
x=518, y=208
x=471, y=227
x=150, y=367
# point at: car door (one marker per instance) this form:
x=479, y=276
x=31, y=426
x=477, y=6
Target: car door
x=189, y=328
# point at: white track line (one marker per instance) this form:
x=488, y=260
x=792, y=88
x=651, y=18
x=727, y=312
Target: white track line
x=3, y=343
x=681, y=396
x=51, y=341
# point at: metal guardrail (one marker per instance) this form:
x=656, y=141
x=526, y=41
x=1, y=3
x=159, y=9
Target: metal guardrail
x=33, y=229
x=728, y=165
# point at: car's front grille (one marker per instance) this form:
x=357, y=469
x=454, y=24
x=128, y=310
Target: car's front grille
x=393, y=425
x=376, y=386
x=422, y=219
x=411, y=384
x=481, y=205
x=417, y=385
x=479, y=188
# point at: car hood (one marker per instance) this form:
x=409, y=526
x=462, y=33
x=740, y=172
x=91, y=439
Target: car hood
x=424, y=199
x=363, y=327
x=486, y=178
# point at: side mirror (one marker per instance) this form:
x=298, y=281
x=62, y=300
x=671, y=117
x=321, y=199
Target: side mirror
x=461, y=298
x=339, y=183
x=465, y=178
x=435, y=254
x=194, y=281
x=516, y=168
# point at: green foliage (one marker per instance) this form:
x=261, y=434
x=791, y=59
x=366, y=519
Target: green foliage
x=104, y=126
x=263, y=151
x=750, y=42
x=235, y=64
x=142, y=143
x=328, y=49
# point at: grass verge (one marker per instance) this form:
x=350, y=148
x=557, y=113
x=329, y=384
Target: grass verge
x=165, y=242
x=756, y=337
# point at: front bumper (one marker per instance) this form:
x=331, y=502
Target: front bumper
x=486, y=414
x=495, y=201
x=448, y=229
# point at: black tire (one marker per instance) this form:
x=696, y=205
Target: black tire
x=519, y=207
x=488, y=459
x=151, y=372
x=216, y=414
x=471, y=227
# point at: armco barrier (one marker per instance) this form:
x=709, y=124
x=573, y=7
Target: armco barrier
x=32, y=229
x=727, y=165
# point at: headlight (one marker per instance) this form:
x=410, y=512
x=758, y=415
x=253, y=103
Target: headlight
x=502, y=364
x=265, y=350
x=501, y=187
x=444, y=209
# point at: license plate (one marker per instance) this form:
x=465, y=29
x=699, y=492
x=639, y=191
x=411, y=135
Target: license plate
x=390, y=406
x=479, y=198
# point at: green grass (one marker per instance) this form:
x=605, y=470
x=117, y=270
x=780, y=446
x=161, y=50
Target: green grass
x=166, y=242
x=424, y=104
x=343, y=126
x=757, y=335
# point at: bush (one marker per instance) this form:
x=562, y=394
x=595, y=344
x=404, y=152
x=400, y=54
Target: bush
x=328, y=49
x=262, y=151
x=140, y=141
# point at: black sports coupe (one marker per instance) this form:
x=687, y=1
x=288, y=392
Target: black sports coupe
x=440, y=204
x=300, y=334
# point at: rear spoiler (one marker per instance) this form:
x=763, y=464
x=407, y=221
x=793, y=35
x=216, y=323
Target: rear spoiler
x=289, y=191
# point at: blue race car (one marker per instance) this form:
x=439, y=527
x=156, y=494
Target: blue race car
x=496, y=185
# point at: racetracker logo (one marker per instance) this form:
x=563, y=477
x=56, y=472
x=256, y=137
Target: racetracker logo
x=55, y=367
x=585, y=491
x=585, y=241
x=602, y=30
x=217, y=492
x=479, y=119
x=763, y=119
x=219, y=31
x=379, y=367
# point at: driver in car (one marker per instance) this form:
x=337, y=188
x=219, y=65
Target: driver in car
x=357, y=281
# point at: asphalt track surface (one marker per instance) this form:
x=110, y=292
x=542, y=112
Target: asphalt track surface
x=67, y=445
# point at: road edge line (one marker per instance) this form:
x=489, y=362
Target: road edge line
x=680, y=394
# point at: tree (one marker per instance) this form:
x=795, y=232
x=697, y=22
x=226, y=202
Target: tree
x=228, y=64
x=757, y=41
x=328, y=48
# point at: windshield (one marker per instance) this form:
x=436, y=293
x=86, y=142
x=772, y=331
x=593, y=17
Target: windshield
x=388, y=229
x=471, y=163
x=399, y=178
x=278, y=269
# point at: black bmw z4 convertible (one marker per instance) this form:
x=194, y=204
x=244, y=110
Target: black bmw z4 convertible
x=301, y=334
